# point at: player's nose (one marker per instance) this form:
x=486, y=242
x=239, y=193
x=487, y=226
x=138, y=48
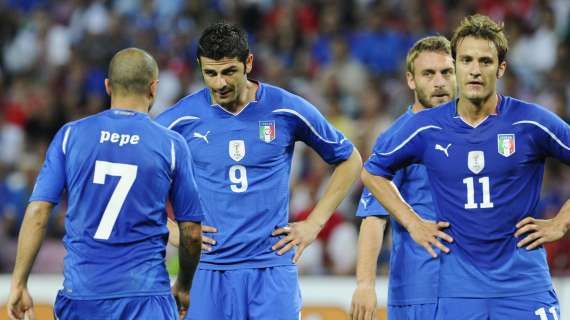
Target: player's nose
x=439, y=81
x=220, y=83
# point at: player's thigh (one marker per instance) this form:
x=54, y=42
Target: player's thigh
x=274, y=294
x=155, y=307
x=538, y=306
x=208, y=296
x=462, y=308
x=412, y=312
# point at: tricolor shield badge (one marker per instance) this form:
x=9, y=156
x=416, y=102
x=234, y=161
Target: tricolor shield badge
x=267, y=131
x=506, y=144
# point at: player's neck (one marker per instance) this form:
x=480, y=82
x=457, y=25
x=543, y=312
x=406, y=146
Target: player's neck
x=247, y=95
x=417, y=107
x=473, y=112
x=137, y=104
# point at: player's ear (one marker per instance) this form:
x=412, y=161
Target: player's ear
x=410, y=80
x=107, y=87
x=248, y=63
x=153, y=88
x=501, y=69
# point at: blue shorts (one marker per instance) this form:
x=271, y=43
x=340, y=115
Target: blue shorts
x=537, y=306
x=255, y=294
x=424, y=311
x=145, y=307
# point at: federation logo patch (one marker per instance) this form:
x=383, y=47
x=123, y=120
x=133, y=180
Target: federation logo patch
x=267, y=131
x=506, y=144
x=476, y=161
x=236, y=149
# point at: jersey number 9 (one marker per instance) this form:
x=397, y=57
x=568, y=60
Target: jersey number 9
x=238, y=178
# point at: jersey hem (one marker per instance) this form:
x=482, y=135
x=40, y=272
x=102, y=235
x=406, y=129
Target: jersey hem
x=211, y=266
x=491, y=294
x=114, y=296
x=404, y=303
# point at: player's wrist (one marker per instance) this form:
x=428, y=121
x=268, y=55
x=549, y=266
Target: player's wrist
x=564, y=225
x=317, y=223
x=366, y=284
x=412, y=222
x=19, y=284
x=181, y=284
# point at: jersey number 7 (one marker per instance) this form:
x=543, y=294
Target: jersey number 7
x=128, y=175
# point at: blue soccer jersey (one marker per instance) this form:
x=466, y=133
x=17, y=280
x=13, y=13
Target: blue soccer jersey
x=413, y=273
x=242, y=165
x=118, y=168
x=484, y=180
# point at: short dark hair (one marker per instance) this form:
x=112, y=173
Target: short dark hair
x=131, y=71
x=223, y=40
x=430, y=44
x=481, y=27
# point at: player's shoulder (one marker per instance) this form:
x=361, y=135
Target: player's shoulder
x=520, y=110
x=167, y=133
x=281, y=99
x=189, y=107
x=85, y=122
x=432, y=117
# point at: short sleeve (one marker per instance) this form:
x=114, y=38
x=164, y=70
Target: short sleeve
x=184, y=191
x=51, y=180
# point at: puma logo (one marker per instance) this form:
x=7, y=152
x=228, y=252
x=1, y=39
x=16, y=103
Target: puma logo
x=201, y=136
x=444, y=150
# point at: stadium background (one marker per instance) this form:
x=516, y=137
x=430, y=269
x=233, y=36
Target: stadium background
x=346, y=57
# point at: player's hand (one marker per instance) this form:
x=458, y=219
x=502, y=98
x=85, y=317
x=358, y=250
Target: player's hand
x=298, y=234
x=208, y=242
x=363, y=306
x=538, y=232
x=20, y=305
x=426, y=234
x=182, y=297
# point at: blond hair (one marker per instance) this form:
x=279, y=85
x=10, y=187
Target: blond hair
x=431, y=44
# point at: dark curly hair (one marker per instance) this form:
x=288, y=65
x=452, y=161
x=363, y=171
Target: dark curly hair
x=223, y=40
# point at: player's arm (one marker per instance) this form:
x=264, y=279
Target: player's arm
x=46, y=194
x=551, y=138
x=363, y=306
x=309, y=126
x=425, y=233
x=188, y=213
x=174, y=235
x=30, y=239
x=541, y=231
x=188, y=259
x=303, y=233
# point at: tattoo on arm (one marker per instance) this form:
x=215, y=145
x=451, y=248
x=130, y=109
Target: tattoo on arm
x=189, y=251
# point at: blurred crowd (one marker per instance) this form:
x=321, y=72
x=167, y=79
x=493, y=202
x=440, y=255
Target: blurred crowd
x=345, y=56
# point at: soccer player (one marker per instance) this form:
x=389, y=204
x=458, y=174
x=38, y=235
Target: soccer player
x=118, y=168
x=241, y=133
x=412, y=292
x=484, y=154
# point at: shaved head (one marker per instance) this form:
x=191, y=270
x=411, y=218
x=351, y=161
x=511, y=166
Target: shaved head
x=131, y=72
